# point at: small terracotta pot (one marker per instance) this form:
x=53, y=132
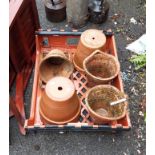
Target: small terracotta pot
x=59, y=103
x=98, y=101
x=55, y=63
x=90, y=41
x=101, y=67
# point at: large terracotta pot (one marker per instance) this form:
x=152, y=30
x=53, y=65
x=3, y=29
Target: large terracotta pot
x=90, y=41
x=55, y=63
x=98, y=101
x=59, y=103
x=101, y=67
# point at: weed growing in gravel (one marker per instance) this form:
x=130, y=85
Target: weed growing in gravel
x=139, y=60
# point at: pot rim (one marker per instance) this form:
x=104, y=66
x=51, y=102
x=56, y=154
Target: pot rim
x=56, y=7
x=77, y=67
x=61, y=122
x=102, y=117
x=100, y=78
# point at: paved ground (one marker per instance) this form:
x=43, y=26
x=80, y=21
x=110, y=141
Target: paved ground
x=126, y=143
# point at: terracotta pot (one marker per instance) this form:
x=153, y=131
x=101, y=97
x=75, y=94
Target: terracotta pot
x=90, y=41
x=101, y=67
x=59, y=103
x=55, y=63
x=98, y=101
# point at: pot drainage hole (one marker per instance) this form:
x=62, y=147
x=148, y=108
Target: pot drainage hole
x=60, y=88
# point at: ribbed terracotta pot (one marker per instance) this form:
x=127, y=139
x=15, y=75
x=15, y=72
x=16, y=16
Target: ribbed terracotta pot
x=90, y=41
x=98, y=101
x=101, y=67
x=59, y=103
x=55, y=63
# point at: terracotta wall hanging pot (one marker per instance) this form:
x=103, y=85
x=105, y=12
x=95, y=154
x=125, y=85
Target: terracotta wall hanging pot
x=90, y=41
x=59, y=103
x=101, y=67
x=55, y=63
x=55, y=10
x=98, y=101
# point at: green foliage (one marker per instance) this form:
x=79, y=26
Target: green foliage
x=139, y=60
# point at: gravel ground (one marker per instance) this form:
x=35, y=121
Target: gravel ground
x=72, y=143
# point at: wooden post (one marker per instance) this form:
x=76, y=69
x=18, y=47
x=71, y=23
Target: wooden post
x=77, y=12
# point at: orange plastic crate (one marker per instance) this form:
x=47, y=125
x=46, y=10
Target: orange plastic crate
x=67, y=41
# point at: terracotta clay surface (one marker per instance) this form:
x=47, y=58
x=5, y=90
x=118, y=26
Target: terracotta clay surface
x=90, y=41
x=59, y=103
x=101, y=67
x=55, y=63
x=98, y=101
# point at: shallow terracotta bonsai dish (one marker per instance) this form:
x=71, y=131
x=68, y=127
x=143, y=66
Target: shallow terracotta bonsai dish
x=67, y=42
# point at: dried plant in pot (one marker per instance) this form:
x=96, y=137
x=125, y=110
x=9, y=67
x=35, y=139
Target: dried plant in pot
x=55, y=63
x=101, y=67
x=90, y=41
x=59, y=103
x=98, y=102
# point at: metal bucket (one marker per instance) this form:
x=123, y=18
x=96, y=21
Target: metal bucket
x=55, y=10
x=98, y=11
